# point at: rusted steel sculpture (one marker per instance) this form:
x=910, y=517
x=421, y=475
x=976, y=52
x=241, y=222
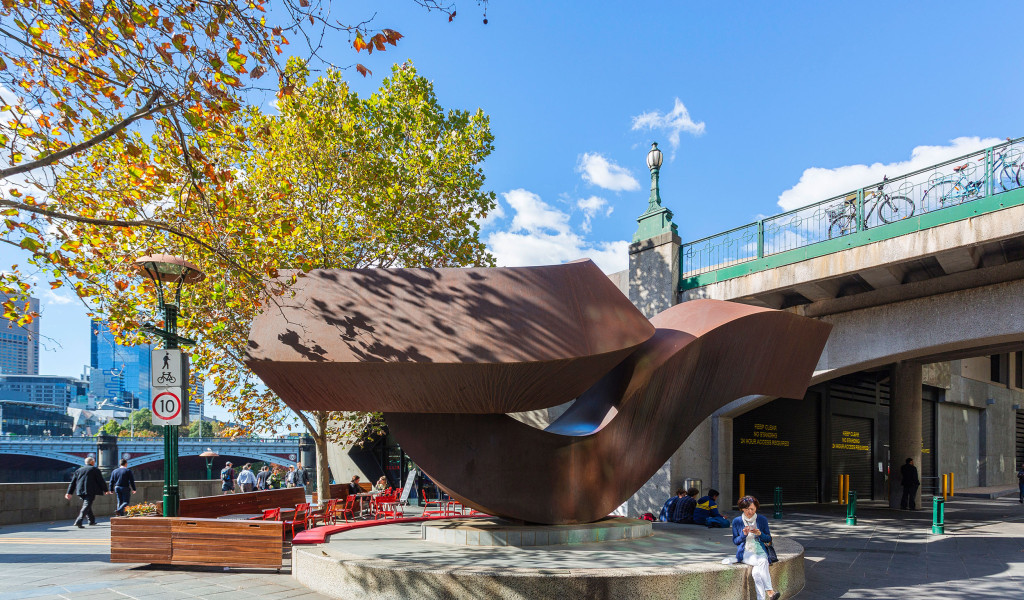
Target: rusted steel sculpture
x=446, y=353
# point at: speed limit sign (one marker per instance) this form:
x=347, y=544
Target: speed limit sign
x=166, y=406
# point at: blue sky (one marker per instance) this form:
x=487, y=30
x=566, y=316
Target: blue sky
x=750, y=104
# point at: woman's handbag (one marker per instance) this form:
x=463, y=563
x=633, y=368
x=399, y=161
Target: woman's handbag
x=769, y=549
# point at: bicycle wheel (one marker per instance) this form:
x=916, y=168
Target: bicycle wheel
x=896, y=208
x=841, y=226
x=1007, y=178
x=940, y=195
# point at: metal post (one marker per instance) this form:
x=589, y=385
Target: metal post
x=860, y=209
x=778, y=503
x=171, y=431
x=743, y=485
x=938, y=515
x=945, y=486
x=760, y=238
x=952, y=485
x=841, y=494
x=846, y=486
x=988, y=172
x=851, y=508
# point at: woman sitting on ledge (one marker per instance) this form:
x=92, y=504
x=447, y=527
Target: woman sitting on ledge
x=750, y=534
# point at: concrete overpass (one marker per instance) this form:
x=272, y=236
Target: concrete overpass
x=924, y=268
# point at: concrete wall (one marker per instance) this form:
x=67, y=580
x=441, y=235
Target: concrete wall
x=957, y=441
x=31, y=502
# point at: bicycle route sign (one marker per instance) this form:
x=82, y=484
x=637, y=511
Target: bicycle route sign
x=166, y=406
x=165, y=369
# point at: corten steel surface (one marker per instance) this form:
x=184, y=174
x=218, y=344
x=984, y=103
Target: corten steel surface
x=704, y=354
x=637, y=400
x=444, y=340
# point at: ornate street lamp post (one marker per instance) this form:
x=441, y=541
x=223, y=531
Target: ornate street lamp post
x=209, y=455
x=657, y=219
x=176, y=271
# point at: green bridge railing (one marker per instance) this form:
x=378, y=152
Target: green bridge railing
x=976, y=183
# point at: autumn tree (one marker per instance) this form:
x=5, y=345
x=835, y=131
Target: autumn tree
x=332, y=181
x=81, y=74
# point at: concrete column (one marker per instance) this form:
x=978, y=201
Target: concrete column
x=106, y=454
x=904, y=426
x=654, y=273
x=721, y=460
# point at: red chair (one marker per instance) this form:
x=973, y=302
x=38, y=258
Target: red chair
x=387, y=506
x=301, y=517
x=440, y=508
x=271, y=514
x=349, y=509
x=326, y=514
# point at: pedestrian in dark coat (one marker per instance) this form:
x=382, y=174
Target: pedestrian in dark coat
x=86, y=483
x=122, y=482
x=908, y=473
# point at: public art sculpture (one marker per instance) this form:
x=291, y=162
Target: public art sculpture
x=445, y=354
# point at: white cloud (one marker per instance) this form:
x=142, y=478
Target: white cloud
x=590, y=207
x=540, y=235
x=817, y=183
x=599, y=171
x=492, y=218
x=674, y=122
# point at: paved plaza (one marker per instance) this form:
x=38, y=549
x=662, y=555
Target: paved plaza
x=889, y=554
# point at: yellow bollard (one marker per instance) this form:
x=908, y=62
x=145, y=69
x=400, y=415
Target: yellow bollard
x=952, y=485
x=743, y=485
x=945, y=487
x=846, y=487
x=842, y=492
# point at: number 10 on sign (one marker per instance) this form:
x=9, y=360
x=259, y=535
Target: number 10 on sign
x=166, y=406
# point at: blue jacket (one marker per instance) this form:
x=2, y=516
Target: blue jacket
x=122, y=477
x=668, y=510
x=706, y=507
x=741, y=540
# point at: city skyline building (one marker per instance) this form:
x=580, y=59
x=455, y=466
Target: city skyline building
x=118, y=373
x=19, y=344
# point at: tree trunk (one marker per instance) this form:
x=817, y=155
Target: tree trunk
x=323, y=481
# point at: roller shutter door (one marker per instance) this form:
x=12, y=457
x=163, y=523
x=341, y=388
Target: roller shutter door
x=851, y=453
x=929, y=484
x=1020, y=439
x=777, y=445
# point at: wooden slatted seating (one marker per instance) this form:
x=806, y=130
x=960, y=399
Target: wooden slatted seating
x=233, y=504
x=188, y=541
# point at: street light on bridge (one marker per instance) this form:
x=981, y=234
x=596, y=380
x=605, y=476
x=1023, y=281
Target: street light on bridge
x=209, y=455
x=161, y=269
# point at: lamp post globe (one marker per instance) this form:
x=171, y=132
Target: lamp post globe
x=169, y=270
x=654, y=157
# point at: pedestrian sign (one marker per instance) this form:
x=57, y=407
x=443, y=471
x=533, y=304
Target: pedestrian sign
x=166, y=406
x=166, y=369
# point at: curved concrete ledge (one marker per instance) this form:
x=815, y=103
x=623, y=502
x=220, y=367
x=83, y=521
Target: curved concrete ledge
x=497, y=532
x=390, y=562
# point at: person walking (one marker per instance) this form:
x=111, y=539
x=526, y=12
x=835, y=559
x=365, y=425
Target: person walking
x=751, y=535
x=227, y=478
x=263, y=478
x=1020, y=483
x=300, y=479
x=289, y=477
x=122, y=482
x=910, y=482
x=246, y=479
x=86, y=483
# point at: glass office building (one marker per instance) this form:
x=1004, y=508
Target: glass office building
x=118, y=374
x=19, y=345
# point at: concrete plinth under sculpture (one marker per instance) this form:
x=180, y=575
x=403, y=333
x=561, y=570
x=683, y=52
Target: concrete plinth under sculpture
x=498, y=532
x=677, y=561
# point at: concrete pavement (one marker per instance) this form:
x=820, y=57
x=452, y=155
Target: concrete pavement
x=889, y=554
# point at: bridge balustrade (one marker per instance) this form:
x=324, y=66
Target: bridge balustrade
x=960, y=187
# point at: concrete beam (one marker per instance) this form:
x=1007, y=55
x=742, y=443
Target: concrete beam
x=883, y=277
x=965, y=258
x=821, y=290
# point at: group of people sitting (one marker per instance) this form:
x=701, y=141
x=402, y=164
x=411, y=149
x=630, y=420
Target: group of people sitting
x=685, y=507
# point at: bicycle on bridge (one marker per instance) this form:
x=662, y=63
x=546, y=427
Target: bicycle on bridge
x=955, y=188
x=891, y=208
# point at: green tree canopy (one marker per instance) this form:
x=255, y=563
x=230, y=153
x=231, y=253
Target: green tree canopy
x=332, y=181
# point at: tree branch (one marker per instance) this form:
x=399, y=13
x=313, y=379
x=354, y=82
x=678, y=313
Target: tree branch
x=149, y=108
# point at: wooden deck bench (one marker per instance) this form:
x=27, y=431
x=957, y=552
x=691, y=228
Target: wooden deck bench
x=190, y=541
x=250, y=502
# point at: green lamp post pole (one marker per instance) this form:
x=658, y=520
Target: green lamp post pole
x=163, y=268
